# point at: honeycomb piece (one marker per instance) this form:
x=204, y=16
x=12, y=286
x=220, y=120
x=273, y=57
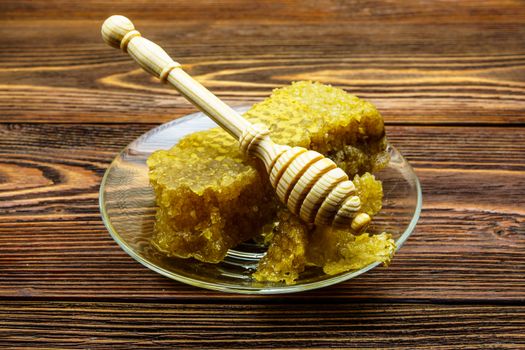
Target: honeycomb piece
x=294, y=247
x=370, y=192
x=348, y=130
x=333, y=250
x=337, y=251
x=210, y=197
x=215, y=204
x=286, y=255
x=222, y=221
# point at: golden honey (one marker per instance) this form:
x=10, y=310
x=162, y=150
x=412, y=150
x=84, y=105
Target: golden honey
x=210, y=197
x=296, y=245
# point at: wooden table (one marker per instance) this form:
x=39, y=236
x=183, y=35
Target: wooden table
x=449, y=78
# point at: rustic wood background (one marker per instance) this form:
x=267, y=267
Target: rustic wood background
x=448, y=76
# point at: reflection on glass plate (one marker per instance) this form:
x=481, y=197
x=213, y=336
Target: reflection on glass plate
x=127, y=204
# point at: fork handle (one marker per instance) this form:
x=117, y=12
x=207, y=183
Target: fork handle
x=119, y=31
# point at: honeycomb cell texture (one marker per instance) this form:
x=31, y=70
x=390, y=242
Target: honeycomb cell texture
x=286, y=255
x=210, y=197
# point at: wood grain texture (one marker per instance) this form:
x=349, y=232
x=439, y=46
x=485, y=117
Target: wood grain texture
x=448, y=77
x=468, y=73
x=441, y=11
x=261, y=326
x=468, y=245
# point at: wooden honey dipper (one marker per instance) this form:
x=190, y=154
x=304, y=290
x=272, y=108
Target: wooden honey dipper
x=311, y=186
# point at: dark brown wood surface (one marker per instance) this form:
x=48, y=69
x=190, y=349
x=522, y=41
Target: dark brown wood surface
x=449, y=78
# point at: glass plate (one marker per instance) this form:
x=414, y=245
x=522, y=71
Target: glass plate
x=127, y=204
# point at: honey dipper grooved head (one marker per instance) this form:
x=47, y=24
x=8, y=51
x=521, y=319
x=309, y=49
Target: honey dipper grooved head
x=318, y=193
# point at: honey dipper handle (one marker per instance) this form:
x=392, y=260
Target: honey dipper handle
x=313, y=188
x=119, y=32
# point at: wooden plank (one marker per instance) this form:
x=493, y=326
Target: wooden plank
x=272, y=325
x=414, y=73
x=468, y=245
x=274, y=10
x=431, y=67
